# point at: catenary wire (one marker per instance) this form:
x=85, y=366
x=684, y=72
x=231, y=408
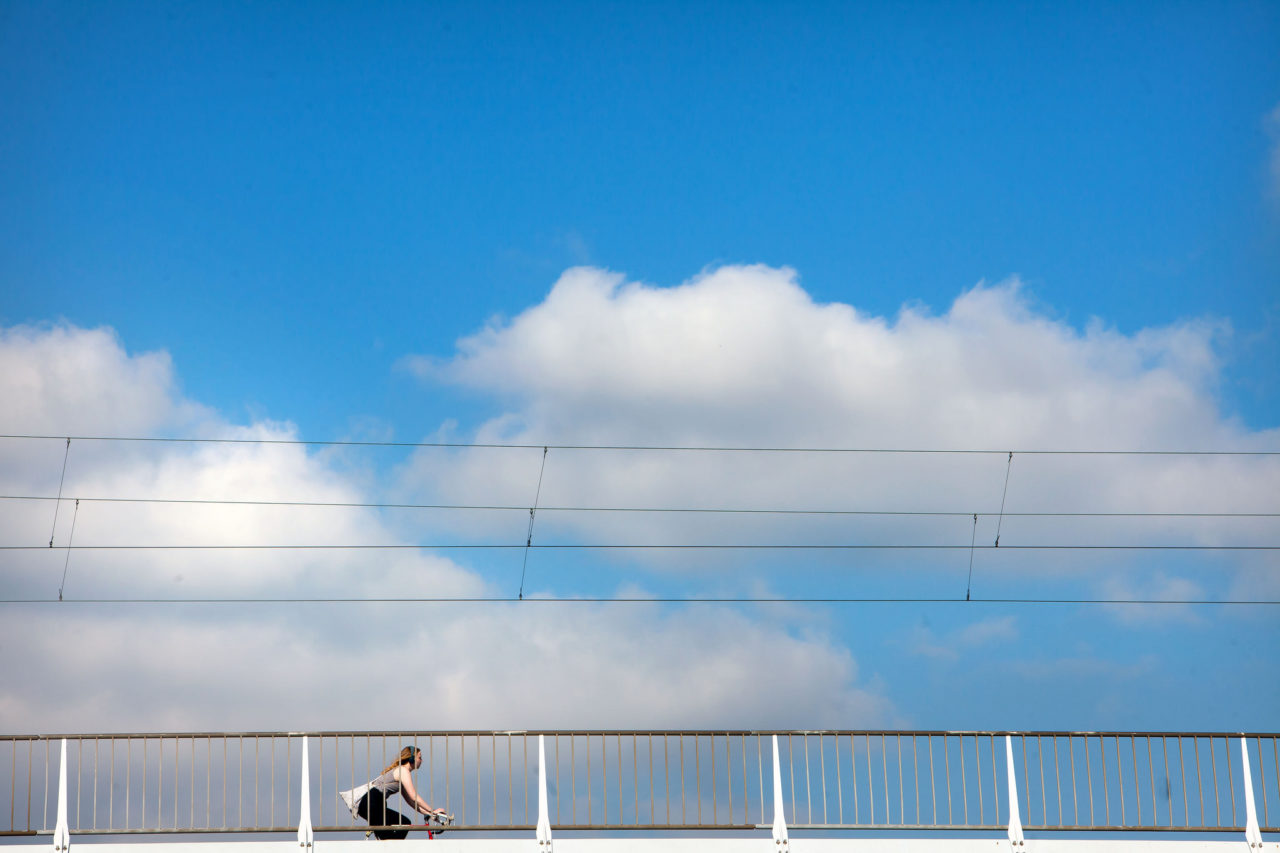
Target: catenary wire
x=639, y=447
x=659, y=600
x=577, y=546
x=621, y=509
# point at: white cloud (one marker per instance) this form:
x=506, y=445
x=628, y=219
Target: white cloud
x=140, y=667
x=742, y=356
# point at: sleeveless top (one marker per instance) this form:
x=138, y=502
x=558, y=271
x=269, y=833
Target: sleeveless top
x=385, y=783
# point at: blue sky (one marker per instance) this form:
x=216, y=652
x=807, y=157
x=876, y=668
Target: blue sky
x=355, y=221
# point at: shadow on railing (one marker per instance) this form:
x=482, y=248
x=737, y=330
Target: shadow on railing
x=854, y=780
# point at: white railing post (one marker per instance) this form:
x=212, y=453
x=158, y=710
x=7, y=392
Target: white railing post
x=1015, y=820
x=306, y=838
x=780, y=839
x=61, y=832
x=1252, y=834
x=544, y=821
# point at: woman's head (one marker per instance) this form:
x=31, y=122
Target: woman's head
x=410, y=755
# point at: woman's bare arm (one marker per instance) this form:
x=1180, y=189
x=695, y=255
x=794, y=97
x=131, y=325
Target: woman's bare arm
x=410, y=794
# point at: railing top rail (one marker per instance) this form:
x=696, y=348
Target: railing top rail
x=640, y=732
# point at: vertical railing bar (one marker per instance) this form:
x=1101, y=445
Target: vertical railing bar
x=590, y=807
x=1275, y=760
x=1106, y=794
x=1168, y=787
x=902, y=803
x=666, y=774
x=698, y=779
x=1088, y=772
x=964, y=785
x=94, y=819
x=915, y=774
x=808, y=787
x=1137, y=782
x=524, y=746
x=683, y=806
x=128, y=780
x=160, y=785
x=995, y=786
x=759, y=771
x=653, y=802
x=573, y=779
x=933, y=786
x=1195, y=742
x=1057, y=778
x=839, y=780
x=557, y=745
x=448, y=787
x=479, y=801
x=111, y=789
x=1075, y=799
x=728, y=775
x=1266, y=814
x=1151, y=774
x=791, y=772
x=714, y=804
x=1231, y=782
x=871, y=780
x=822, y=773
x=143, y=824
x=1026, y=774
x=946, y=762
x=1182, y=775
x=79, y=775
x=493, y=770
x=257, y=766
x=884, y=767
x=1213, y=763
x=13, y=781
x=1044, y=808
x=1124, y=821
x=635, y=778
x=31, y=745
x=977, y=755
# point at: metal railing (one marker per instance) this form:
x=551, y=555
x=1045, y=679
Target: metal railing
x=251, y=782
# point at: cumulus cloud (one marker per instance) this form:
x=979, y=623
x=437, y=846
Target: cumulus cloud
x=742, y=356
x=74, y=666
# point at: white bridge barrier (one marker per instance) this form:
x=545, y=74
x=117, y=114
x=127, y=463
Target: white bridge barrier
x=641, y=791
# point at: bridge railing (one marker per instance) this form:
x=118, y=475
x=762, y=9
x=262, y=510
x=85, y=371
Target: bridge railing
x=613, y=780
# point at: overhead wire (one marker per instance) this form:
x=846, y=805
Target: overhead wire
x=410, y=599
x=640, y=447
x=643, y=509
x=528, y=545
x=605, y=546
